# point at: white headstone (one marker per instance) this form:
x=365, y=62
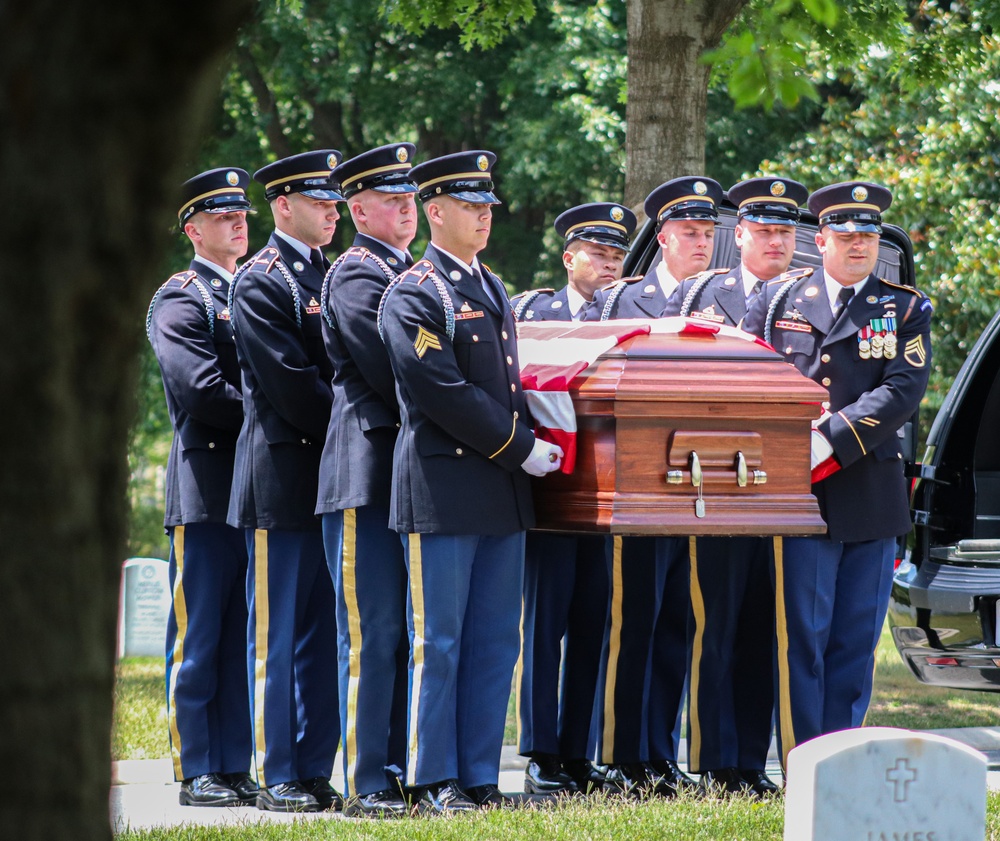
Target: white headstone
x=885, y=784
x=143, y=608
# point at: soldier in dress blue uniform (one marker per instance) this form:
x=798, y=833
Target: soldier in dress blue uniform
x=731, y=698
x=644, y=666
x=565, y=575
x=868, y=342
x=286, y=402
x=365, y=556
x=686, y=210
x=461, y=498
x=208, y=711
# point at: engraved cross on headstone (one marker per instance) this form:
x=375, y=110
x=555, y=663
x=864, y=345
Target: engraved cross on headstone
x=901, y=775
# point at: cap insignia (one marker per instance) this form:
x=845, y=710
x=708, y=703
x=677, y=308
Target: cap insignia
x=331, y=161
x=778, y=188
x=859, y=193
x=483, y=163
x=700, y=188
x=617, y=214
x=401, y=154
x=232, y=178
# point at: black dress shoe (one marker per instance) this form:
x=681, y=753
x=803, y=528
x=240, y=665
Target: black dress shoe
x=669, y=774
x=326, y=795
x=545, y=775
x=585, y=775
x=630, y=779
x=244, y=786
x=489, y=796
x=446, y=796
x=286, y=797
x=207, y=790
x=759, y=782
x=388, y=803
x=724, y=782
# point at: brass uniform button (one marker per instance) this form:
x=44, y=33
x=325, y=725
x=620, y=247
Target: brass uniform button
x=825, y=357
x=826, y=381
x=458, y=451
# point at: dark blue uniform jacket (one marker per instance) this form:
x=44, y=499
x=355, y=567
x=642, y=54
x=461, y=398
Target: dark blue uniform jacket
x=457, y=464
x=720, y=300
x=286, y=390
x=870, y=399
x=193, y=342
x=356, y=469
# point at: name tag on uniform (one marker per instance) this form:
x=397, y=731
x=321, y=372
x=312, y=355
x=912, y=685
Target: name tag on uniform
x=459, y=316
x=795, y=326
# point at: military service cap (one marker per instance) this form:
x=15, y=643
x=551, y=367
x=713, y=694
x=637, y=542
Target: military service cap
x=307, y=173
x=385, y=169
x=605, y=223
x=465, y=176
x=851, y=206
x=689, y=197
x=769, y=201
x=222, y=190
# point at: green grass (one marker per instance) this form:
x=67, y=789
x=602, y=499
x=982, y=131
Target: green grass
x=140, y=723
x=898, y=700
x=683, y=819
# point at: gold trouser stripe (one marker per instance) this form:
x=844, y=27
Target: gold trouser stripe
x=262, y=619
x=781, y=626
x=519, y=673
x=348, y=564
x=417, y=601
x=180, y=616
x=698, y=609
x=614, y=650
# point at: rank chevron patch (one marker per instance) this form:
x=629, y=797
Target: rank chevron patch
x=914, y=352
x=425, y=339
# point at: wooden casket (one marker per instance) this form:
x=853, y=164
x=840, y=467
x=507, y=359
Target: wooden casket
x=690, y=429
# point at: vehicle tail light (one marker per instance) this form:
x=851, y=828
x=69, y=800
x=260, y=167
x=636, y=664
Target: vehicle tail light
x=942, y=661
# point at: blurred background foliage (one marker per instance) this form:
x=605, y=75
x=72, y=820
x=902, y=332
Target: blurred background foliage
x=902, y=93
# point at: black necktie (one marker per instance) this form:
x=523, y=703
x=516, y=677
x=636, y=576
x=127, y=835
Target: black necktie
x=843, y=298
x=319, y=261
x=490, y=294
x=408, y=260
x=755, y=291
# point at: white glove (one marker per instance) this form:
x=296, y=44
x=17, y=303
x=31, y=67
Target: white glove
x=544, y=458
x=821, y=448
x=820, y=419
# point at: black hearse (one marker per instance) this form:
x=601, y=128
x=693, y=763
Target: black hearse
x=946, y=592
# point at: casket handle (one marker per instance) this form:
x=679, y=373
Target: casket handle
x=741, y=469
x=696, y=474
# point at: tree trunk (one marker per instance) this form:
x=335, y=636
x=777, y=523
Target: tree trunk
x=101, y=106
x=668, y=88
